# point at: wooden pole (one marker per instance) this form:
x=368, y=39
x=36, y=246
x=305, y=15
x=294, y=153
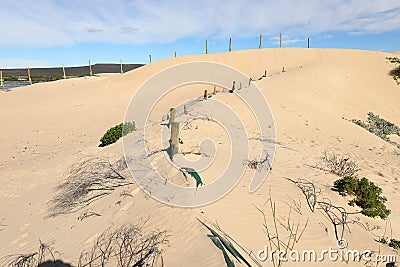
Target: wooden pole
x=260, y=45
x=308, y=41
x=121, y=69
x=29, y=75
x=230, y=44
x=206, y=47
x=185, y=110
x=1, y=80
x=280, y=40
x=215, y=90
x=150, y=58
x=175, y=138
x=90, y=69
x=63, y=69
x=175, y=54
x=205, y=94
x=172, y=113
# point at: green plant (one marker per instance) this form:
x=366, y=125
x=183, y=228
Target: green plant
x=113, y=134
x=382, y=240
x=380, y=127
x=396, y=71
x=394, y=243
x=367, y=196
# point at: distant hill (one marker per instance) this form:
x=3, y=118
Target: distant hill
x=56, y=73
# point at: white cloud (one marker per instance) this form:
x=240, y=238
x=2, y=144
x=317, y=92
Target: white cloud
x=11, y=63
x=57, y=22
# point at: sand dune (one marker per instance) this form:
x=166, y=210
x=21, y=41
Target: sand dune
x=45, y=128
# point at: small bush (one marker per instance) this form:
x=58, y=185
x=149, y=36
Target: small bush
x=340, y=165
x=395, y=73
x=380, y=127
x=367, y=196
x=113, y=134
x=394, y=243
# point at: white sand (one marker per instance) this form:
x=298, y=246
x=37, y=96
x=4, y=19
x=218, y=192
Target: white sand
x=45, y=128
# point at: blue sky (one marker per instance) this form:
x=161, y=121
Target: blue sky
x=46, y=33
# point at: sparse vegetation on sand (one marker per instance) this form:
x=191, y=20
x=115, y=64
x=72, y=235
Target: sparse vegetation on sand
x=340, y=165
x=380, y=127
x=395, y=73
x=367, y=195
x=44, y=256
x=87, y=181
x=393, y=243
x=125, y=246
x=115, y=133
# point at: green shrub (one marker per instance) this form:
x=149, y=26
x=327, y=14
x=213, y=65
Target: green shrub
x=367, y=196
x=394, y=243
x=113, y=134
x=380, y=127
x=396, y=71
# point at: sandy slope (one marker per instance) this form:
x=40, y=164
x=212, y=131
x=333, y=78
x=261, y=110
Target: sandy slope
x=45, y=128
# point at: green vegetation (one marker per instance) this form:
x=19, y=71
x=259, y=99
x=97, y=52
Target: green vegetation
x=380, y=127
x=113, y=134
x=393, y=243
x=225, y=246
x=367, y=196
x=396, y=71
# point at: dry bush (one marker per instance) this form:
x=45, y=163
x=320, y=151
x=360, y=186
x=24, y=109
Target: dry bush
x=125, y=246
x=259, y=164
x=282, y=233
x=87, y=181
x=340, y=165
x=44, y=254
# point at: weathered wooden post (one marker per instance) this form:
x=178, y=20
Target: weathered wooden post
x=120, y=63
x=175, y=54
x=206, y=47
x=174, y=138
x=185, y=110
x=150, y=58
x=215, y=90
x=280, y=40
x=260, y=45
x=308, y=41
x=205, y=94
x=90, y=69
x=283, y=69
x=172, y=113
x=29, y=75
x=63, y=69
x=1, y=80
x=230, y=44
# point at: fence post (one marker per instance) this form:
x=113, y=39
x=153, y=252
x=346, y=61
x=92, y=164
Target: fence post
x=230, y=44
x=205, y=94
x=215, y=90
x=29, y=75
x=150, y=58
x=90, y=69
x=308, y=41
x=63, y=69
x=260, y=45
x=175, y=54
x=280, y=40
x=206, y=47
x=174, y=138
x=172, y=113
x=121, y=69
x=1, y=80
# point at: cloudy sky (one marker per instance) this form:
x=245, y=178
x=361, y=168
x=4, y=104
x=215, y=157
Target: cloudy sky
x=55, y=32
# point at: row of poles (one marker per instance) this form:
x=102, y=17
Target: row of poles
x=230, y=45
x=150, y=59
x=63, y=70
